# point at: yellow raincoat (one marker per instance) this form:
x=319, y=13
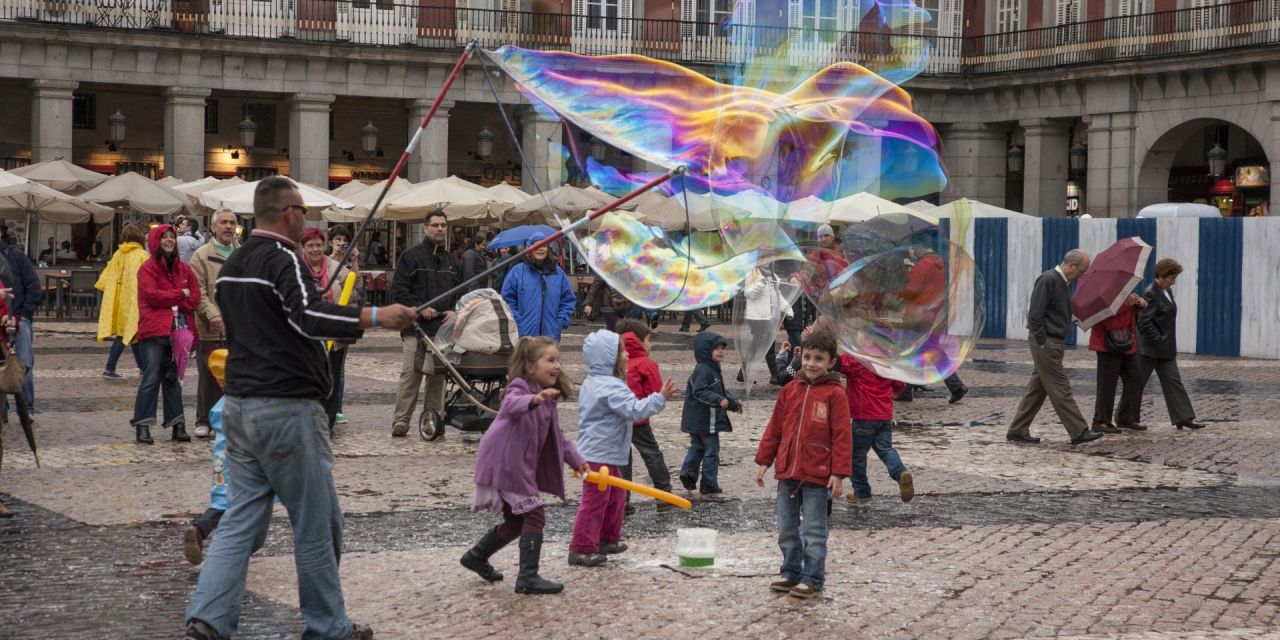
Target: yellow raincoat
x=119, y=286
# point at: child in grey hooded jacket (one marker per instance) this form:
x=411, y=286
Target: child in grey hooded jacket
x=606, y=410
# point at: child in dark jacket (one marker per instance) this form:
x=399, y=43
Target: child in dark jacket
x=808, y=443
x=706, y=414
x=644, y=378
x=871, y=405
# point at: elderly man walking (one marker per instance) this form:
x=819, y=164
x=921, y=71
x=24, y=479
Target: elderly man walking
x=1048, y=321
x=276, y=428
x=206, y=263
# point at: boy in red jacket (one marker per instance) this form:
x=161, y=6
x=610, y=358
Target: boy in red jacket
x=809, y=440
x=871, y=404
x=644, y=379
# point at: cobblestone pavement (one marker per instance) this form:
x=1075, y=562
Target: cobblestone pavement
x=1157, y=535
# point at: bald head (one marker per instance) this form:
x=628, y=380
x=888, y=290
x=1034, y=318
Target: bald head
x=1074, y=264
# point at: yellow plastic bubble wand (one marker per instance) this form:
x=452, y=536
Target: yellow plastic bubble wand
x=603, y=481
x=343, y=299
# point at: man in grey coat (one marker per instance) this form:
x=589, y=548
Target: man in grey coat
x=1048, y=321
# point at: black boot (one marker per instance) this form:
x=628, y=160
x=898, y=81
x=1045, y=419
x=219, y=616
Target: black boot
x=477, y=558
x=529, y=581
x=144, y=434
x=180, y=433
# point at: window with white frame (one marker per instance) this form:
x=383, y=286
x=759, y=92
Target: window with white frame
x=710, y=16
x=1008, y=20
x=1066, y=17
x=602, y=14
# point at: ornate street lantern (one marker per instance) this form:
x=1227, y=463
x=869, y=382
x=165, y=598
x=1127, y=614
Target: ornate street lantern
x=118, y=124
x=1217, y=160
x=598, y=149
x=1079, y=158
x=484, y=144
x=1015, y=158
x=248, y=131
x=369, y=138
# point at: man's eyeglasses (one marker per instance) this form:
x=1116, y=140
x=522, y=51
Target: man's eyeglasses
x=300, y=207
x=440, y=225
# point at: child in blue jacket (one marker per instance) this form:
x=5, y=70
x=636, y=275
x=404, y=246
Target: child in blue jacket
x=606, y=411
x=706, y=413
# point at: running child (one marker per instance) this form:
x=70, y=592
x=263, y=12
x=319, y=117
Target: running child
x=520, y=455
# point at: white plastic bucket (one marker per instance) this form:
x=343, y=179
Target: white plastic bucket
x=696, y=547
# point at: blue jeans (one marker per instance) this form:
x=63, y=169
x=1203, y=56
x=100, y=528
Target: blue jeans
x=802, y=531
x=117, y=350
x=276, y=447
x=877, y=436
x=157, y=355
x=704, y=451
x=22, y=346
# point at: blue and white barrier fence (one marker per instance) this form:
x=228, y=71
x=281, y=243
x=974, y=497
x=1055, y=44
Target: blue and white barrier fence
x=1228, y=294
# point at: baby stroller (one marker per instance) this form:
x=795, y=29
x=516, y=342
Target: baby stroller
x=472, y=348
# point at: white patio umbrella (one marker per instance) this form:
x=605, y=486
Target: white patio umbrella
x=568, y=201
x=60, y=175
x=350, y=189
x=506, y=193
x=194, y=188
x=920, y=206
x=757, y=205
x=171, y=181
x=139, y=193
x=703, y=213
x=974, y=208
x=415, y=203
x=21, y=198
x=239, y=197
x=863, y=206
x=364, y=200
x=810, y=209
x=1180, y=210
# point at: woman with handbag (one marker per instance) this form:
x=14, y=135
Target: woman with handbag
x=12, y=371
x=1158, y=344
x=167, y=297
x=325, y=270
x=1115, y=340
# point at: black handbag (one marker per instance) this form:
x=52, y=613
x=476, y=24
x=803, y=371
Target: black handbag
x=1118, y=341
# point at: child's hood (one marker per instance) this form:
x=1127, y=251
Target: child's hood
x=600, y=350
x=635, y=348
x=704, y=343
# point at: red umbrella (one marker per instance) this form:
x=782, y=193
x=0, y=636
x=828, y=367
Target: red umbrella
x=1110, y=279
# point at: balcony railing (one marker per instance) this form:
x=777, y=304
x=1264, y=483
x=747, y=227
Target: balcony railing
x=389, y=23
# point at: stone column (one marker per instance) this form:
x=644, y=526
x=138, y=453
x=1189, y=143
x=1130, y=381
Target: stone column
x=1097, y=192
x=51, y=119
x=1045, y=169
x=1110, y=190
x=1272, y=149
x=541, y=139
x=975, y=156
x=430, y=160
x=309, y=138
x=184, y=155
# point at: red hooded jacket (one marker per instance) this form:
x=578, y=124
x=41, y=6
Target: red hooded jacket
x=1125, y=318
x=809, y=435
x=870, y=396
x=924, y=291
x=160, y=285
x=642, y=372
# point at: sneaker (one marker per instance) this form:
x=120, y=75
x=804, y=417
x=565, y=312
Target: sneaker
x=906, y=488
x=399, y=430
x=202, y=431
x=193, y=544
x=782, y=586
x=712, y=492
x=340, y=419
x=852, y=499
x=586, y=559
x=360, y=632
x=611, y=549
x=111, y=375
x=664, y=507
x=689, y=482
x=805, y=591
x=197, y=630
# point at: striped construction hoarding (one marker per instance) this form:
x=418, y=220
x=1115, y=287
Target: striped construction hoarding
x=1228, y=294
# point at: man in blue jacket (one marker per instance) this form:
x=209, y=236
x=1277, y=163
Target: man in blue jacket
x=26, y=299
x=540, y=296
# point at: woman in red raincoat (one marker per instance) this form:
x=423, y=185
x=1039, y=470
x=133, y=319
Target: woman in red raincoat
x=167, y=296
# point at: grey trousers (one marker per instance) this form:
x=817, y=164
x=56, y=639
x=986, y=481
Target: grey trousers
x=1049, y=381
x=411, y=382
x=1175, y=395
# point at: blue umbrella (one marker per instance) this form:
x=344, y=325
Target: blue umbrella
x=520, y=236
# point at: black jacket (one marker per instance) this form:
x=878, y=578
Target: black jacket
x=474, y=264
x=277, y=322
x=1050, y=312
x=1157, y=337
x=422, y=273
x=26, y=283
x=702, y=412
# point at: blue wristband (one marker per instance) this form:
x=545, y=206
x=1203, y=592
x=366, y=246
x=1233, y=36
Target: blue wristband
x=373, y=317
